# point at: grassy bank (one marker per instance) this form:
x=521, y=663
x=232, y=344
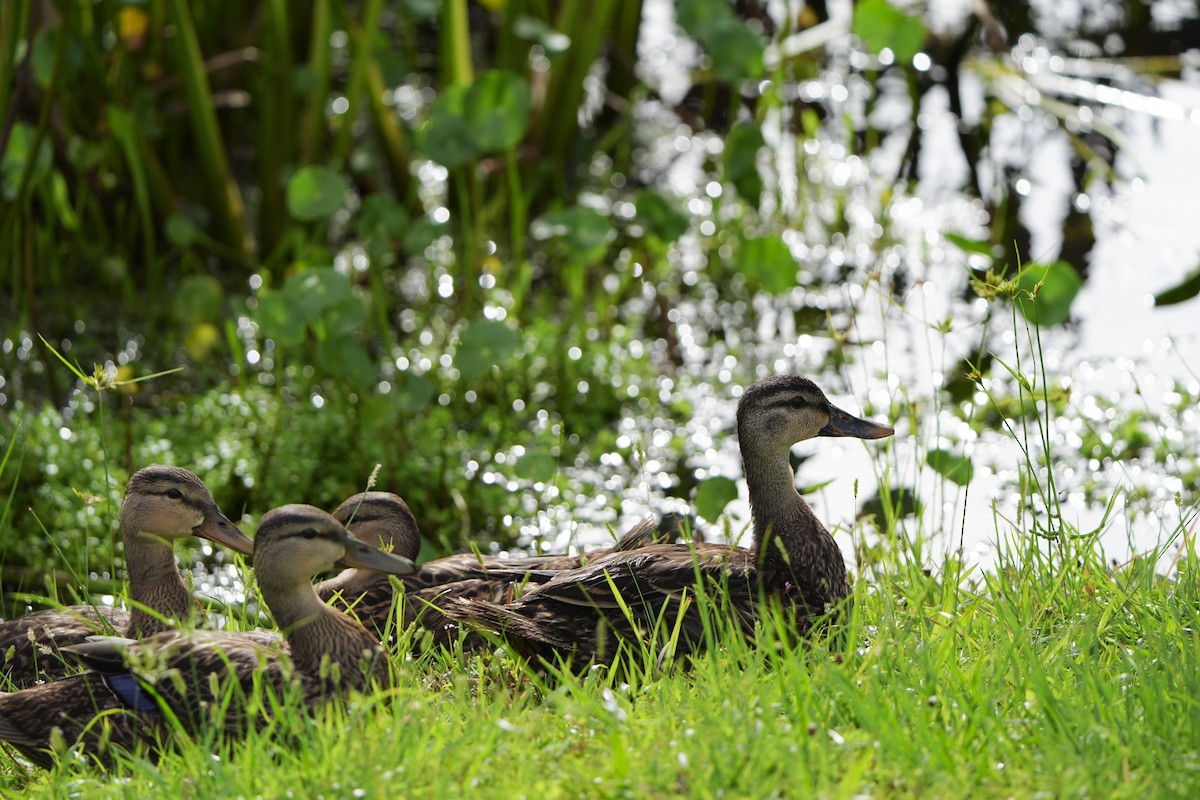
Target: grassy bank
x=1055, y=674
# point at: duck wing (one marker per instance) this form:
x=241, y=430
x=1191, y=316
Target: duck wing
x=30, y=645
x=645, y=597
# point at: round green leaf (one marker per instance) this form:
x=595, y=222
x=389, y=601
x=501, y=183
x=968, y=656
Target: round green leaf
x=413, y=392
x=899, y=502
x=536, y=466
x=660, y=218
x=767, y=262
x=422, y=233
x=182, y=231
x=1047, y=292
x=345, y=318
x=741, y=161
x=315, y=193
x=951, y=466
x=447, y=139
x=736, y=51
x=45, y=52
x=313, y=291
x=382, y=216
x=497, y=110
x=482, y=345
x=713, y=494
x=200, y=298
x=586, y=233
x=278, y=319
x=18, y=151
x=879, y=24
x=345, y=358
x=699, y=18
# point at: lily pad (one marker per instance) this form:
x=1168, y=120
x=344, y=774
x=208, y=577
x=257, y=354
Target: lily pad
x=278, y=319
x=446, y=137
x=45, y=53
x=182, y=231
x=200, y=298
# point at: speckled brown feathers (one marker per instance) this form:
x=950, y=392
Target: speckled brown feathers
x=206, y=677
x=384, y=520
x=639, y=598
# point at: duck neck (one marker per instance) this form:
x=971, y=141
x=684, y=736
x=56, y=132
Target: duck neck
x=326, y=645
x=793, y=546
x=154, y=583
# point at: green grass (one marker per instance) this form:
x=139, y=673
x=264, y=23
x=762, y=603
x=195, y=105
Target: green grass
x=1060, y=678
x=1053, y=674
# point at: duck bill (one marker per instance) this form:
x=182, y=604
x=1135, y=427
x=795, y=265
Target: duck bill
x=843, y=423
x=362, y=556
x=216, y=527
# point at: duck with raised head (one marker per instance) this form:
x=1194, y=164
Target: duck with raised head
x=384, y=520
x=161, y=505
x=586, y=615
x=192, y=674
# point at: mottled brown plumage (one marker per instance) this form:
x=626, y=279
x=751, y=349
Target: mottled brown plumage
x=640, y=597
x=384, y=520
x=161, y=504
x=194, y=673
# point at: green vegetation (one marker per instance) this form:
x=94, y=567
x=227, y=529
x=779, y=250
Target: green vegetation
x=475, y=244
x=1052, y=673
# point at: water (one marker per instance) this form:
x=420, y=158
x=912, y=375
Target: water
x=1118, y=355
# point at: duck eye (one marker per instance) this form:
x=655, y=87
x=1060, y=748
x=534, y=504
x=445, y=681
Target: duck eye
x=308, y=533
x=174, y=494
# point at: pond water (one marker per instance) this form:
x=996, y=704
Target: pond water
x=1119, y=355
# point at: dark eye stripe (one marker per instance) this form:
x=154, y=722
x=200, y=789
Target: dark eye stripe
x=790, y=401
x=310, y=535
x=165, y=488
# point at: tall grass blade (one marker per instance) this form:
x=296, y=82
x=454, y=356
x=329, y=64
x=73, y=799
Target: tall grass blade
x=223, y=191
